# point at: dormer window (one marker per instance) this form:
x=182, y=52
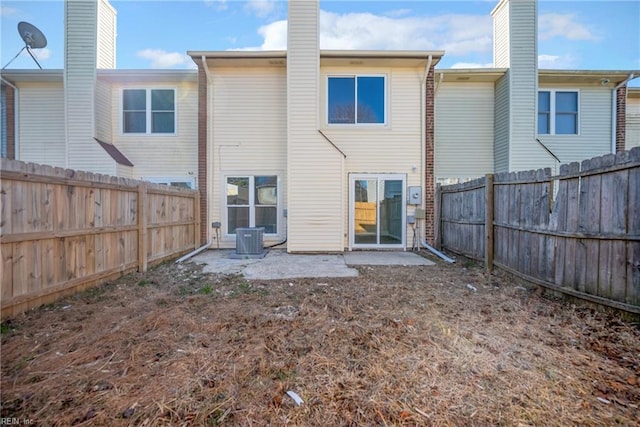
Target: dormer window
x=356, y=100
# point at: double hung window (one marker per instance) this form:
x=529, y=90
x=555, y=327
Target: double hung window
x=558, y=112
x=148, y=111
x=252, y=201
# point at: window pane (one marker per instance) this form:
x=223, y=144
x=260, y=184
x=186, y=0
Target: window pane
x=134, y=122
x=543, y=123
x=134, y=99
x=237, y=217
x=162, y=100
x=162, y=122
x=266, y=190
x=370, y=99
x=267, y=217
x=566, y=124
x=342, y=96
x=566, y=102
x=544, y=102
x=238, y=191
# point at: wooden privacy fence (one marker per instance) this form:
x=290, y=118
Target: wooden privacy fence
x=585, y=241
x=62, y=231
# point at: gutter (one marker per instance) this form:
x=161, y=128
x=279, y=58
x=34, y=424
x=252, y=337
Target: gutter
x=614, y=118
x=16, y=113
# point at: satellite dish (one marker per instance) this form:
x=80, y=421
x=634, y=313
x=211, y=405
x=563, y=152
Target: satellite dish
x=33, y=39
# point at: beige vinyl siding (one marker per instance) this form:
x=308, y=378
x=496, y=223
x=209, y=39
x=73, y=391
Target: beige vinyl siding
x=104, y=109
x=392, y=148
x=632, y=138
x=83, y=152
x=124, y=171
x=106, y=54
x=160, y=155
x=501, y=125
x=501, y=35
x=248, y=108
x=316, y=178
x=464, y=130
x=41, y=124
x=594, y=121
x=524, y=152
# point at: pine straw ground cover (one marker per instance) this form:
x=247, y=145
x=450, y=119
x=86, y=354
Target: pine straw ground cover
x=395, y=346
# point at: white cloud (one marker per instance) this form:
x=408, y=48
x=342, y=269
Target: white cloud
x=261, y=8
x=42, y=54
x=552, y=25
x=457, y=34
x=466, y=65
x=397, y=13
x=7, y=11
x=556, y=62
x=163, y=59
x=217, y=4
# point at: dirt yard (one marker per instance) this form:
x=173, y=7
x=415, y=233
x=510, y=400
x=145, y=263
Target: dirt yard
x=438, y=345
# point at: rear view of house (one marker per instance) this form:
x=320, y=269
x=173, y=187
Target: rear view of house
x=325, y=150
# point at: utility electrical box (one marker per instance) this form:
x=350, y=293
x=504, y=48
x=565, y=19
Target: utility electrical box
x=415, y=196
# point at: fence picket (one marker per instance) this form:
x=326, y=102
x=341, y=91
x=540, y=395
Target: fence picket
x=83, y=229
x=586, y=243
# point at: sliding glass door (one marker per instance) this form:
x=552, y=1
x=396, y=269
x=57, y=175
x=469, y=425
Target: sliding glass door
x=377, y=211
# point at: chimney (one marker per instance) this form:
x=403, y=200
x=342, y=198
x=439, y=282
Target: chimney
x=515, y=44
x=89, y=44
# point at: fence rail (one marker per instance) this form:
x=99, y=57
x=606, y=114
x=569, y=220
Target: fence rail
x=62, y=230
x=577, y=232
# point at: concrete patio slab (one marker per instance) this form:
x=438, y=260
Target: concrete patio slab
x=278, y=264
x=384, y=258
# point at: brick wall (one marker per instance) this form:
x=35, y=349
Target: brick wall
x=621, y=118
x=429, y=192
x=202, y=151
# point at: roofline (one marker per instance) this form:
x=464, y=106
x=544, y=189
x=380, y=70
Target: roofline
x=237, y=54
x=32, y=75
x=487, y=71
x=266, y=54
x=624, y=73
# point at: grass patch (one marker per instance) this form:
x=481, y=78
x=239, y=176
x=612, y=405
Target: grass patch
x=205, y=290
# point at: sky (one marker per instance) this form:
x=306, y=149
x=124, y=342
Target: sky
x=594, y=35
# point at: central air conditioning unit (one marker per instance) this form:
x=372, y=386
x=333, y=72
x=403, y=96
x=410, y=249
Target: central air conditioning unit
x=250, y=241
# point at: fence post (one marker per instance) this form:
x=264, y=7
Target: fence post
x=142, y=227
x=488, y=223
x=196, y=219
x=437, y=235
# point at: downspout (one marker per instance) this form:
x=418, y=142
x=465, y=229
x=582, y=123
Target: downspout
x=423, y=135
x=209, y=162
x=16, y=122
x=614, y=118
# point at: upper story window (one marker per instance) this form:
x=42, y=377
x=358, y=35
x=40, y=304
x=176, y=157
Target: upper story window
x=356, y=100
x=148, y=111
x=557, y=112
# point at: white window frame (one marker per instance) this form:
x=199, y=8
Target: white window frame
x=552, y=112
x=148, y=111
x=355, y=76
x=167, y=180
x=252, y=204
